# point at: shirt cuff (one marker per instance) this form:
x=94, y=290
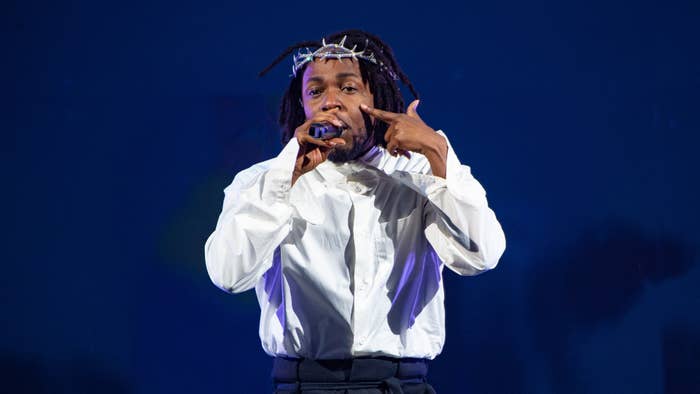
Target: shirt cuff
x=278, y=178
x=277, y=187
x=460, y=181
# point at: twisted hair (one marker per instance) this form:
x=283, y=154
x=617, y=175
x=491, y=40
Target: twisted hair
x=383, y=87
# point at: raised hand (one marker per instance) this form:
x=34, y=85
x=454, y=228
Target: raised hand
x=313, y=151
x=408, y=132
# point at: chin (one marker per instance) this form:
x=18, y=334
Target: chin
x=359, y=145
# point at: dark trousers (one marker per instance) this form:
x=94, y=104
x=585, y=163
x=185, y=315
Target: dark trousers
x=365, y=375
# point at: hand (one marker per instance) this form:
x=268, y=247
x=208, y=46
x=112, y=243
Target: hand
x=408, y=132
x=313, y=151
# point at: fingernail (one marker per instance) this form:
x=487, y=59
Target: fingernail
x=363, y=106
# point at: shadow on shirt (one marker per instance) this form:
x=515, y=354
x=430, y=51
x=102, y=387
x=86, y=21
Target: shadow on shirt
x=417, y=272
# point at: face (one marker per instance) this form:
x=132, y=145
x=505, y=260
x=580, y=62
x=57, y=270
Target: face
x=337, y=86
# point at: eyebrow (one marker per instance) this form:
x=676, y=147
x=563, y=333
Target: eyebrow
x=337, y=76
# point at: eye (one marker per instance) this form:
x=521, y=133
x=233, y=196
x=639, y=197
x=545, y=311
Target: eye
x=314, y=92
x=349, y=89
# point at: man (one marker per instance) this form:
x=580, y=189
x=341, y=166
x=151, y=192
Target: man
x=345, y=238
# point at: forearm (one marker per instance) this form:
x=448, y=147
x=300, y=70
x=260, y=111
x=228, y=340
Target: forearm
x=469, y=236
x=466, y=234
x=459, y=224
x=436, y=153
x=254, y=220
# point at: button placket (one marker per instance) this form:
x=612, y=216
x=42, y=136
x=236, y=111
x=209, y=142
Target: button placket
x=364, y=257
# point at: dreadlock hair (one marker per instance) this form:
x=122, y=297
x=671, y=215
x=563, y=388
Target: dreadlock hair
x=386, y=92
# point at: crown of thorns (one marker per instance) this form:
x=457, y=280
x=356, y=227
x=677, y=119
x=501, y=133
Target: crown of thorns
x=339, y=52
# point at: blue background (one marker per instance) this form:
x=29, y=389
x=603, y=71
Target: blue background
x=126, y=121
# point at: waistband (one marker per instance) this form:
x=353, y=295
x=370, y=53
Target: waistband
x=293, y=375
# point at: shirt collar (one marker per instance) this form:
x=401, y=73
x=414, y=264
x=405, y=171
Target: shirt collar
x=373, y=156
x=336, y=172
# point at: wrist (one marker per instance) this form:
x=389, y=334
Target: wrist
x=436, y=148
x=436, y=153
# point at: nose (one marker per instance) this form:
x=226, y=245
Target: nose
x=331, y=101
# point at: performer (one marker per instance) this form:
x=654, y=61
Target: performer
x=345, y=236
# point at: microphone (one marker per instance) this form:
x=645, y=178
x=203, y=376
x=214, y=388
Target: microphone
x=325, y=131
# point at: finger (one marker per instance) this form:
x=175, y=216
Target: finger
x=316, y=157
x=392, y=147
x=306, y=138
x=379, y=114
x=404, y=153
x=389, y=134
x=336, y=141
x=329, y=118
x=324, y=117
x=302, y=132
x=412, y=109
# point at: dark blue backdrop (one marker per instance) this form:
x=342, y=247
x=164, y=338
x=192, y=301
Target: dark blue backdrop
x=126, y=121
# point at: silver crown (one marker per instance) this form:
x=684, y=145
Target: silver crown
x=339, y=52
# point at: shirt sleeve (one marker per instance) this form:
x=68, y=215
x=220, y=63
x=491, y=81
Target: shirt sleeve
x=255, y=218
x=458, y=222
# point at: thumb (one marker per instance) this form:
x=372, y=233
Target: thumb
x=412, y=109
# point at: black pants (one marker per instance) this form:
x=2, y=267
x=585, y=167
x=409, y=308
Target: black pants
x=365, y=375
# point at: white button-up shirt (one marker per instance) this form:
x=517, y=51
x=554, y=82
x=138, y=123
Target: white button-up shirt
x=348, y=262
